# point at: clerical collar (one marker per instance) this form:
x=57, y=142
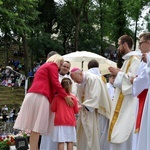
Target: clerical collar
x=128, y=55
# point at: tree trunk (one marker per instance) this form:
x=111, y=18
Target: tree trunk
x=135, y=33
x=77, y=33
x=101, y=31
x=26, y=55
x=6, y=53
x=6, y=49
x=121, y=24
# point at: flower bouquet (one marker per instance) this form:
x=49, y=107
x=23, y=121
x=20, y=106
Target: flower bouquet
x=9, y=140
x=6, y=142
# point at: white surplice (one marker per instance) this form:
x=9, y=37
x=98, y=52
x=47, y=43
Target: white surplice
x=92, y=124
x=121, y=135
x=144, y=133
x=141, y=82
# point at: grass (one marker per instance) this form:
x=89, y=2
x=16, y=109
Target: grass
x=12, y=97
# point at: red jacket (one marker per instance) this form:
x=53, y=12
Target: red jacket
x=64, y=115
x=46, y=82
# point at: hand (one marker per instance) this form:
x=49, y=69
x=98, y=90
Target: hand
x=80, y=106
x=69, y=101
x=144, y=57
x=113, y=71
x=132, y=79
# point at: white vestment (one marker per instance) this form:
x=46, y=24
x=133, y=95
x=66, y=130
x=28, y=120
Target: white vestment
x=140, y=83
x=144, y=133
x=46, y=140
x=92, y=93
x=111, y=90
x=123, y=114
x=104, y=122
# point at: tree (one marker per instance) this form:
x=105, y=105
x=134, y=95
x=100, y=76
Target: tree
x=17, y=18
x=47, y=17
x=134, y=10
x=76, y=7
x=65, y=27
x=147, y=18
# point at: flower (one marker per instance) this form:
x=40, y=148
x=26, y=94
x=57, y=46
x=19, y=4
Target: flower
x=9, y=140
x=6, y=141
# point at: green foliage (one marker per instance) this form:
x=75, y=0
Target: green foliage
x=41, y=45
x=147, y=18
x=3, y=145
x=48, y=14
x=16, y=16
x=74, y=25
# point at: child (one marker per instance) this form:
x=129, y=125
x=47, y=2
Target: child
x=65, y=121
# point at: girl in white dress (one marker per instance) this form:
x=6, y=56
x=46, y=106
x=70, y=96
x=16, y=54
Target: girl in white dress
x=65, y=119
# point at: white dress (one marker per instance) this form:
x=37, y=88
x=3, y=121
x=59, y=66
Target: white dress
x=64, y=134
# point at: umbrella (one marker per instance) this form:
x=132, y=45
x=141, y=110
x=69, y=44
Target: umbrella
x=80, y=59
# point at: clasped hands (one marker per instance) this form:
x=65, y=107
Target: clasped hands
x=114, y=71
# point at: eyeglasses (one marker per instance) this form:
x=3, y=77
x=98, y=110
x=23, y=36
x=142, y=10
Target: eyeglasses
x=140, y=43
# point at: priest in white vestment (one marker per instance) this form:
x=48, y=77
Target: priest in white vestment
x=141, y=83
x=93, y=95
x=123, y=114
x=93, y=67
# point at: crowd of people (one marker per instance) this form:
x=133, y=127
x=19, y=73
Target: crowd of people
x=110, y=116
x=8, y=116
x=15, y=77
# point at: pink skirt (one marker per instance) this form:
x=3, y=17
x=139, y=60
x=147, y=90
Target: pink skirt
x=35, y=115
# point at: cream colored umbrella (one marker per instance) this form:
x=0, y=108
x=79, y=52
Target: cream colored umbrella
x=80, y=59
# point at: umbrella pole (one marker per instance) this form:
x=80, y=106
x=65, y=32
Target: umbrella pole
x=82, y=65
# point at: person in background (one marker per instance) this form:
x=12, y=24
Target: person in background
x=65, y=121
x=93, y=95
x=64, y=72
x=11, y=114
x=4, y=113
x=123, y=114
x=93, y=67
x=51, y=53
x=14, y=116
x=110, y=86
x=34, y=115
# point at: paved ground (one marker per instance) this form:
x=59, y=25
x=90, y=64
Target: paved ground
x=13, y=148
